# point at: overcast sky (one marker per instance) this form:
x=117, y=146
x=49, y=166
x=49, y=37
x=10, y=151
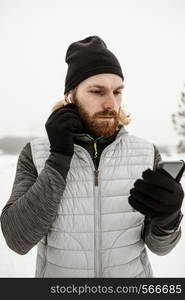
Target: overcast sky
x=147, y=36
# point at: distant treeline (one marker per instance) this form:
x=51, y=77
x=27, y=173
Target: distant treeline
x=13, y=145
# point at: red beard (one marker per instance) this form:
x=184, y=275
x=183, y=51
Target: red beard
x=99, y=126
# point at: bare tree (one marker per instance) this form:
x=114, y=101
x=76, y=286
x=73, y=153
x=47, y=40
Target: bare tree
x=178, y=120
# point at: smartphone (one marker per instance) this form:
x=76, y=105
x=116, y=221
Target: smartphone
x=174, y=168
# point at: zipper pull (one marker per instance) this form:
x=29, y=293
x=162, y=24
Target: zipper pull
x=96, y=177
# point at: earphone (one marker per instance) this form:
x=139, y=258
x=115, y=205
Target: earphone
x=69, y=98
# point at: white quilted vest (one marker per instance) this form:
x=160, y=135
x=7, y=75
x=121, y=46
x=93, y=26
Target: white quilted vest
x=96, y=232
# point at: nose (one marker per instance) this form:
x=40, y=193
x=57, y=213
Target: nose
x=110, y=102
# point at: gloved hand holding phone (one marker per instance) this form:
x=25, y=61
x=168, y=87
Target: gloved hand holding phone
x=158, y=196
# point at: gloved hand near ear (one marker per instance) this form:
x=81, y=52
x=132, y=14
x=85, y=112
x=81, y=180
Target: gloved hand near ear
x=60, y=127
x=157, y=196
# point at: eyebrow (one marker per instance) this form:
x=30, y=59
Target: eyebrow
x=102, y=86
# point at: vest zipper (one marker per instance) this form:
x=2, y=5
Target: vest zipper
x=96, y=169
x=97, y=221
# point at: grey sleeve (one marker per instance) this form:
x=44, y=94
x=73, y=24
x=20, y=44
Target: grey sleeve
x=159, y=242
x=157, y=239
x=33, y=203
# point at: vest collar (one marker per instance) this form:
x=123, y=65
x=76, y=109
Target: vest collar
x=88, y=138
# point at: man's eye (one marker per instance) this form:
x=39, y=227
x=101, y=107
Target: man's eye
x=96, y=92
x=102, y=92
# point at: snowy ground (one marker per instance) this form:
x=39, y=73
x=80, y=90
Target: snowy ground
x=14, y=265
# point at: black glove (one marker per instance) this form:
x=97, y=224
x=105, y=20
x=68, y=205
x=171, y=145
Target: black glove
x=60, y=127
x=157, y=196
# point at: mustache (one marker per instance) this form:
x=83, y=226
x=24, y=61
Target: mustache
x=107, y=112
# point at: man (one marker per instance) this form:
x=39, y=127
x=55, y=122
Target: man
x=89, y=194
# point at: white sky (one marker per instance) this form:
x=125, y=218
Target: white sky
x=147, y=36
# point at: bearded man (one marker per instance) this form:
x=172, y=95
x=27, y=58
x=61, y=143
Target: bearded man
x=89, y=194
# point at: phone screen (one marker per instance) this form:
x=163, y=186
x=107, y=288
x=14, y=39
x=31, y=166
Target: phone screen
x=173, y=168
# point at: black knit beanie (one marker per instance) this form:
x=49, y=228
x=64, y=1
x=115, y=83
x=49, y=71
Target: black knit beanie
x=89, y=57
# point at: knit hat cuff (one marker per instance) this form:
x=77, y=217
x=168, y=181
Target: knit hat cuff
x=91, y=72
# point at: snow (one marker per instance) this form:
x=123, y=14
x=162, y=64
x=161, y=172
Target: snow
x=15, y=265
